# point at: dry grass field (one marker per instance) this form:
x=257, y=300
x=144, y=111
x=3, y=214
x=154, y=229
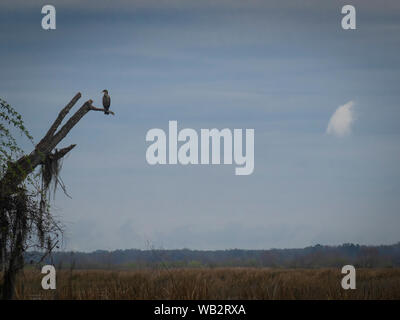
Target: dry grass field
x=219, y=283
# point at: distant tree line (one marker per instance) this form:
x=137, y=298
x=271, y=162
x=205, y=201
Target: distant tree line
x=318, y=256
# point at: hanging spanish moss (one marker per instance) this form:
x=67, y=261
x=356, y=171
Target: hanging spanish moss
x=23, y=215
x=51, y=168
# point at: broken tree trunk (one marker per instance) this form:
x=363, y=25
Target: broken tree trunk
x=20, y=169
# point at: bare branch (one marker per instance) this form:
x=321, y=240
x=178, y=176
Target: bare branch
x=101, y=109
x=62, y=152
x=85, y=108
x=61, y=117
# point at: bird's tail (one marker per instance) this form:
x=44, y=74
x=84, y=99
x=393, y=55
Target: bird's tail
x=106, y=112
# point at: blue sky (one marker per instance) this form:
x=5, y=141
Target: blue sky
x=278, y=67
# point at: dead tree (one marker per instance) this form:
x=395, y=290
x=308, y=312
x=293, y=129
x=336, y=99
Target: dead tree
x=17, y=172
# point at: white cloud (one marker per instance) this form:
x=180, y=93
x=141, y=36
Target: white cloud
x=341, y=121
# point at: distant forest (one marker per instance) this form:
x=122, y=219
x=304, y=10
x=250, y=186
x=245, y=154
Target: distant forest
x=317, y=256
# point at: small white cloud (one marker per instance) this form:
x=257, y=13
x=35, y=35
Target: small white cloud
x=341, y=121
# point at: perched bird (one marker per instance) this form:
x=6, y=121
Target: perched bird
x=106, y=102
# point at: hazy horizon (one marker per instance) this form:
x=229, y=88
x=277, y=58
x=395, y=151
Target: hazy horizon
x=226, y=249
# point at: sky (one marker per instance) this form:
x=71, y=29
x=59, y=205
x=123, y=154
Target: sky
x=323, y=101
